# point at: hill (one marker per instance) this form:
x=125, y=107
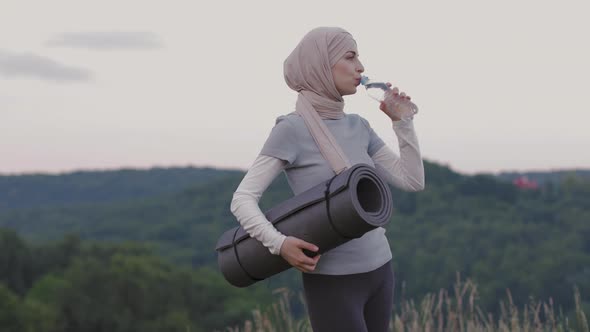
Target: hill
x=535, y=242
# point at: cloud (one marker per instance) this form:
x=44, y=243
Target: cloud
x=108, y=40
x=15, y=65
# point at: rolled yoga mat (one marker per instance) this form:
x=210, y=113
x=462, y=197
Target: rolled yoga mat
x=327, y=215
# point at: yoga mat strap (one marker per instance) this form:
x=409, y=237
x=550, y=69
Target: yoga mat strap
x=327, y=198
x=238, y=259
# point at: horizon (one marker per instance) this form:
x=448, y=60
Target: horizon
x=221, y=168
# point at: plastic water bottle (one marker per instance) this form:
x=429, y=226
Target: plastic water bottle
x=376, y=90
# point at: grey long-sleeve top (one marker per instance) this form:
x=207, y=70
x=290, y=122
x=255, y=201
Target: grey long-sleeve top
x=291, y=148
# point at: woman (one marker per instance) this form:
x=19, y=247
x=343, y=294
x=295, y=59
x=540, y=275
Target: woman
x=348, y=288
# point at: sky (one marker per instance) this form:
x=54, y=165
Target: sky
x=97, y=85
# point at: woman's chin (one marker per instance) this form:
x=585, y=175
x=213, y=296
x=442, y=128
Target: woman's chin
x=350, y=92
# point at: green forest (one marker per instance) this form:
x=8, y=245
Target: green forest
x=133, y=250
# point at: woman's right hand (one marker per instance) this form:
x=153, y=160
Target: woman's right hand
x=292, y=252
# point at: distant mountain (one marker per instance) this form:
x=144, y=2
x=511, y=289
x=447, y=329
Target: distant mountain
x=68, y=189
x=39, y=190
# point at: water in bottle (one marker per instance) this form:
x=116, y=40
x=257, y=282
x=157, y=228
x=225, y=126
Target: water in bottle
x=377, y=89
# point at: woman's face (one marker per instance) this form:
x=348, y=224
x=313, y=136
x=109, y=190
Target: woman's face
x=347, y=73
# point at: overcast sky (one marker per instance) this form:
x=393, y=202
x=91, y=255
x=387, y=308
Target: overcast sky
x=501, y=85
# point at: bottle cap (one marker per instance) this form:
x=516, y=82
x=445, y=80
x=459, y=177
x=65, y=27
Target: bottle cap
x=364, y=80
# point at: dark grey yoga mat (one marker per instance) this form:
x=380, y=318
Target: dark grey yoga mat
x=358, y=201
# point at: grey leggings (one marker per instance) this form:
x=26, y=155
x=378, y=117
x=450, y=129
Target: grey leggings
x=360, y=302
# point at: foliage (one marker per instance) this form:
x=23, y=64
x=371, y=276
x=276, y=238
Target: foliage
x=535, y=243
x=112, y=287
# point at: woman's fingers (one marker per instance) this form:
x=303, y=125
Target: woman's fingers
x=403, y=95
x=395, y=91
x=304, y=260
x=306, y=266
x=293, y=252
x=306, y=245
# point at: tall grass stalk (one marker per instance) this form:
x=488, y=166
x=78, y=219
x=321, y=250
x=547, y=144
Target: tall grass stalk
x=440, y=312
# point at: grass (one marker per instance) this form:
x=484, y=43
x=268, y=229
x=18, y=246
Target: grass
x=440, y=312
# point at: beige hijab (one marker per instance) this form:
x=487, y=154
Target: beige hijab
x=308, y=70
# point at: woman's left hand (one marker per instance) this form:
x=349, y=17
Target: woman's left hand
x=393, y=102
